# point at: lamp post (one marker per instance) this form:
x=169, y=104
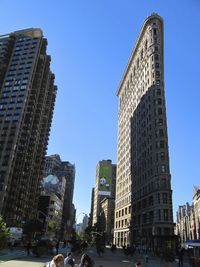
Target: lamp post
x=45, y=220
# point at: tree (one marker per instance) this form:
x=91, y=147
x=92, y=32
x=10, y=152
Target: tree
x=4, y=234
x=31, y=227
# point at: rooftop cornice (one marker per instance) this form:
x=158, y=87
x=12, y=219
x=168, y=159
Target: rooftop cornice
x=32, y=32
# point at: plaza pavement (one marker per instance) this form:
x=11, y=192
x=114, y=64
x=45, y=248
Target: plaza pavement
x=18, y=258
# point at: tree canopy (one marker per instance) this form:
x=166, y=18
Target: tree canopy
x=4, y=234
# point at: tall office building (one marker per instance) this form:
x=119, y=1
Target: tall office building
x=27, y=97
x=64, y=173
x=143, y=212
x=104, y=186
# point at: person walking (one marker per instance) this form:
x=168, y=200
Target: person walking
x=180, y=258
x=57, y=261
x=138, y=264
x=57, y=247
x=86, y=261
x=28, y=248
x=69, y=261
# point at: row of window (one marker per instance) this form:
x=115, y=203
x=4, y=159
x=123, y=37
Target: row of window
x=123, y=212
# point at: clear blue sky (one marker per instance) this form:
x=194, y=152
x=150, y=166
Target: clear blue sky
x=90, y=42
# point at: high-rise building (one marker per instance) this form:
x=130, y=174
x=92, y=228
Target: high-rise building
x=27, y=97
x=107, y=211
x=143, y=208
x=104, y=186
x=185, y=223
x=63, y=175
x=196, y=204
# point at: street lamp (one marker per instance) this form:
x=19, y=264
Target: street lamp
x=96, y=233
x=45, y=220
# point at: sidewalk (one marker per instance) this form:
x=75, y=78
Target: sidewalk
x=16, y=253
x=109, y=259
x=19, y=253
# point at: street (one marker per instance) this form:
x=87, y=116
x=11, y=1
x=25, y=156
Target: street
x=20, y=259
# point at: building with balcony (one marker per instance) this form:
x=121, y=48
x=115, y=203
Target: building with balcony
x=27, y=97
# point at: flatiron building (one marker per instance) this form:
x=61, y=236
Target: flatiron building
x=143, y=208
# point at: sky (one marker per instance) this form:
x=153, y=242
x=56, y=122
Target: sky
x=90, y=43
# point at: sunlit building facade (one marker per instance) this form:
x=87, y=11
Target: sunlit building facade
x=104, y=186
x=143, y=208
x=59, y=179
x=27, y=97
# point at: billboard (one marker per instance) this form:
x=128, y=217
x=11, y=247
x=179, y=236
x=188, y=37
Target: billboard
x=105, y=180
x=52, y=184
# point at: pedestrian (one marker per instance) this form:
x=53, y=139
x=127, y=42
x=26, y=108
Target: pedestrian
x=86, y=261
x=12, y=244
x=146, y=258
x=113, y=247
x=138, y=264
x=28, y=247
x=57, y=247
x=69, y=261
x=57, y=261
x=180, y=258
x=64, y=243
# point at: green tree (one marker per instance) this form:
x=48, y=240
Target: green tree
x=52, y=225
x=4, y=234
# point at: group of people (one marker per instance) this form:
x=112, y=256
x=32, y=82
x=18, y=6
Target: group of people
x=69, y=261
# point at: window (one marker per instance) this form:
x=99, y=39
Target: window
x=162, y=156
x=151, y=216
x=158, y=198
x=151, y=201
x=161, y=133
x=141, y=55
x=159, y=215
x=157, y=74
x=158, y=82
x=163, y=168
x=23, y=87
x=160, y=122
x=146, y=45
x=157, y=66
x=138, y=62
x=144, y=218
x=162, y=144
x=164, y=197
x=166, y=215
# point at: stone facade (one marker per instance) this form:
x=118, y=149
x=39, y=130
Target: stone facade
x=143, y=211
